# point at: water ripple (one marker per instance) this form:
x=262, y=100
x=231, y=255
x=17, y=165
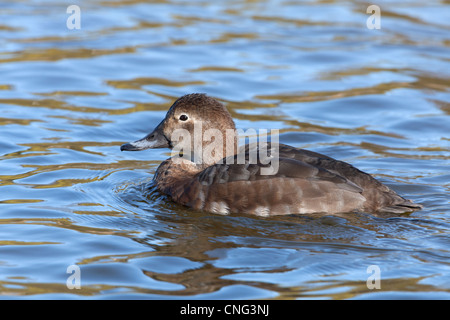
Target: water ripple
x=69, y=98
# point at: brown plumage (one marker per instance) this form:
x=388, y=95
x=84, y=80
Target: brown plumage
x=304, y=182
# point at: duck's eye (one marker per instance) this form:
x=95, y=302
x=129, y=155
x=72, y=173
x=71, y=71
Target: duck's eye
x=183, y=117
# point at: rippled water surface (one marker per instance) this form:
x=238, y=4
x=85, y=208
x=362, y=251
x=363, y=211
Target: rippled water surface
x=378, y=99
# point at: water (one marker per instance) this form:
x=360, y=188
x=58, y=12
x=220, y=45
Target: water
x=378, y=99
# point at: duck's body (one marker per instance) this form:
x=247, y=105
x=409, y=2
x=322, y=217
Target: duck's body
x=304, y=182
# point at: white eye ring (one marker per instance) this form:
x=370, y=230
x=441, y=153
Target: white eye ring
x=183, y=117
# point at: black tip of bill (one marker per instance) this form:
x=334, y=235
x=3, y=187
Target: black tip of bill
x=128, y=147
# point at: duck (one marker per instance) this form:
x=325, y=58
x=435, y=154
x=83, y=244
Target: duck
x=208, y=171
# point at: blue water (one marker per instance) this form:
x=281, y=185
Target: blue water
x=378, y=99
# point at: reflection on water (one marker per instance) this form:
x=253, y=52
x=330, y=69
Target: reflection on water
x=70, y=98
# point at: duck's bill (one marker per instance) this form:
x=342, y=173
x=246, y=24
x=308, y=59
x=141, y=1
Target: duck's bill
x=156, y=139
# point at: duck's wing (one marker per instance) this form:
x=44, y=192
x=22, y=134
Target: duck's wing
x=295, y=187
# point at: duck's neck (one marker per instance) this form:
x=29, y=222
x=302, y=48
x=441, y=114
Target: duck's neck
x=212, y=150
x=174, y=175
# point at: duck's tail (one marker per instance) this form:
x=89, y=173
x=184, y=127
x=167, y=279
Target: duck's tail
x=404, y=207
x=386, y=200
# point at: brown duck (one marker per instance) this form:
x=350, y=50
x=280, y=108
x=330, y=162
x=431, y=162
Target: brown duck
x=199, y=175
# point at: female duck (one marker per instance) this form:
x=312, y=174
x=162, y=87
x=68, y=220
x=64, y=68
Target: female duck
x=198, y=175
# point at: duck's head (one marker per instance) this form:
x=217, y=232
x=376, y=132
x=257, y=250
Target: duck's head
x=196, y=126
